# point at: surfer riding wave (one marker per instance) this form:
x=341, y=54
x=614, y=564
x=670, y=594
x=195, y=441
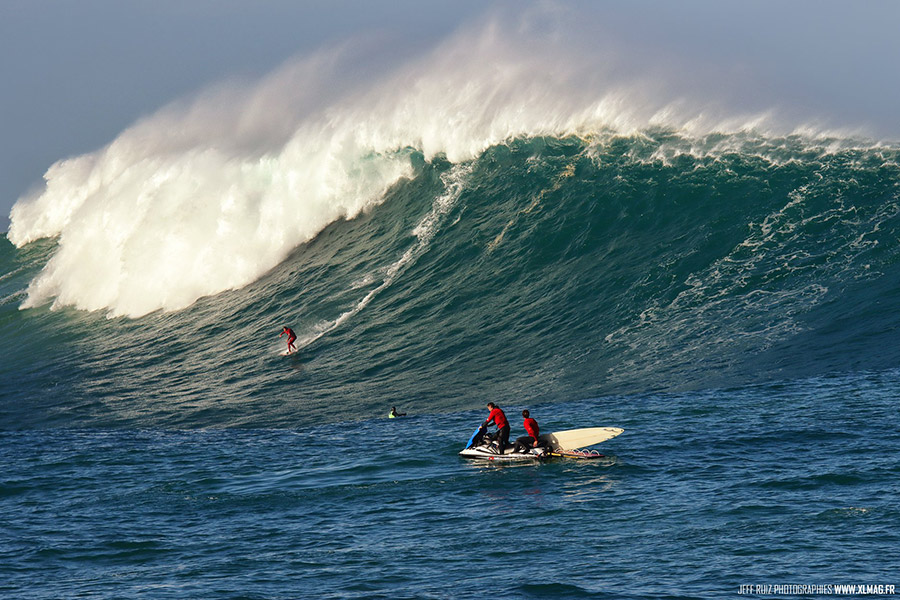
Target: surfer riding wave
x=290, y=339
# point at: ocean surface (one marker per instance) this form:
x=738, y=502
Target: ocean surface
x=730, y=298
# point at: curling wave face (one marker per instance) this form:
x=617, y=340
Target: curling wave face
x=545, y=268
x=452, y=230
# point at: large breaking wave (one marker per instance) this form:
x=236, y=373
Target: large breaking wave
x=209, y=195
x=494, y=220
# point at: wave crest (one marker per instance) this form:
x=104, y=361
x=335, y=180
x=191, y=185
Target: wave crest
x=208, y=196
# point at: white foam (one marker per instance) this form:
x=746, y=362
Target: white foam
x=209, y=195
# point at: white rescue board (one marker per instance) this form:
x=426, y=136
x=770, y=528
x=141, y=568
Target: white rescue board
x=573, y=439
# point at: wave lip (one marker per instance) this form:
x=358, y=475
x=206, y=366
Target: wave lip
x=140, y=232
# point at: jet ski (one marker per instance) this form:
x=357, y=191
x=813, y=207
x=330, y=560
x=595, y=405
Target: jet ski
x=482, y=446
x=571, y=443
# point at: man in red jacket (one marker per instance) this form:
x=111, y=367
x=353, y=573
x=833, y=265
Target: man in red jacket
x=499, y=419
x=531, y=440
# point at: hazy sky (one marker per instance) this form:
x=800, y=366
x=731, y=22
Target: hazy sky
x=75, y=74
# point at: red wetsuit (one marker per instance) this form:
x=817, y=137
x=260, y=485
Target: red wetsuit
x=528, y=441
x=498, y=418
x=502, y=436
x=291, y=337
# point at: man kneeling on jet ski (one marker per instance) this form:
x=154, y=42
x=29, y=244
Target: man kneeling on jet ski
x=532, y=440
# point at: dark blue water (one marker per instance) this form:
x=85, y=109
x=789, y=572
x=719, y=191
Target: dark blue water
x=736, y=311
x=780, y=484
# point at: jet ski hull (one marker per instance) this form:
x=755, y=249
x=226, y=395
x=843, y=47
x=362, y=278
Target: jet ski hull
x=490, y=453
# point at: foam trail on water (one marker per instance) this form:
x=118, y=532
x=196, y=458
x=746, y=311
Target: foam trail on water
x=425, y=230
x=208, y=196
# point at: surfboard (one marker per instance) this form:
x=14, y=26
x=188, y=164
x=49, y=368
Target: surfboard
x=573, y=439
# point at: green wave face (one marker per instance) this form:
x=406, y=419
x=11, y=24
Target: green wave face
x=545, y=268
